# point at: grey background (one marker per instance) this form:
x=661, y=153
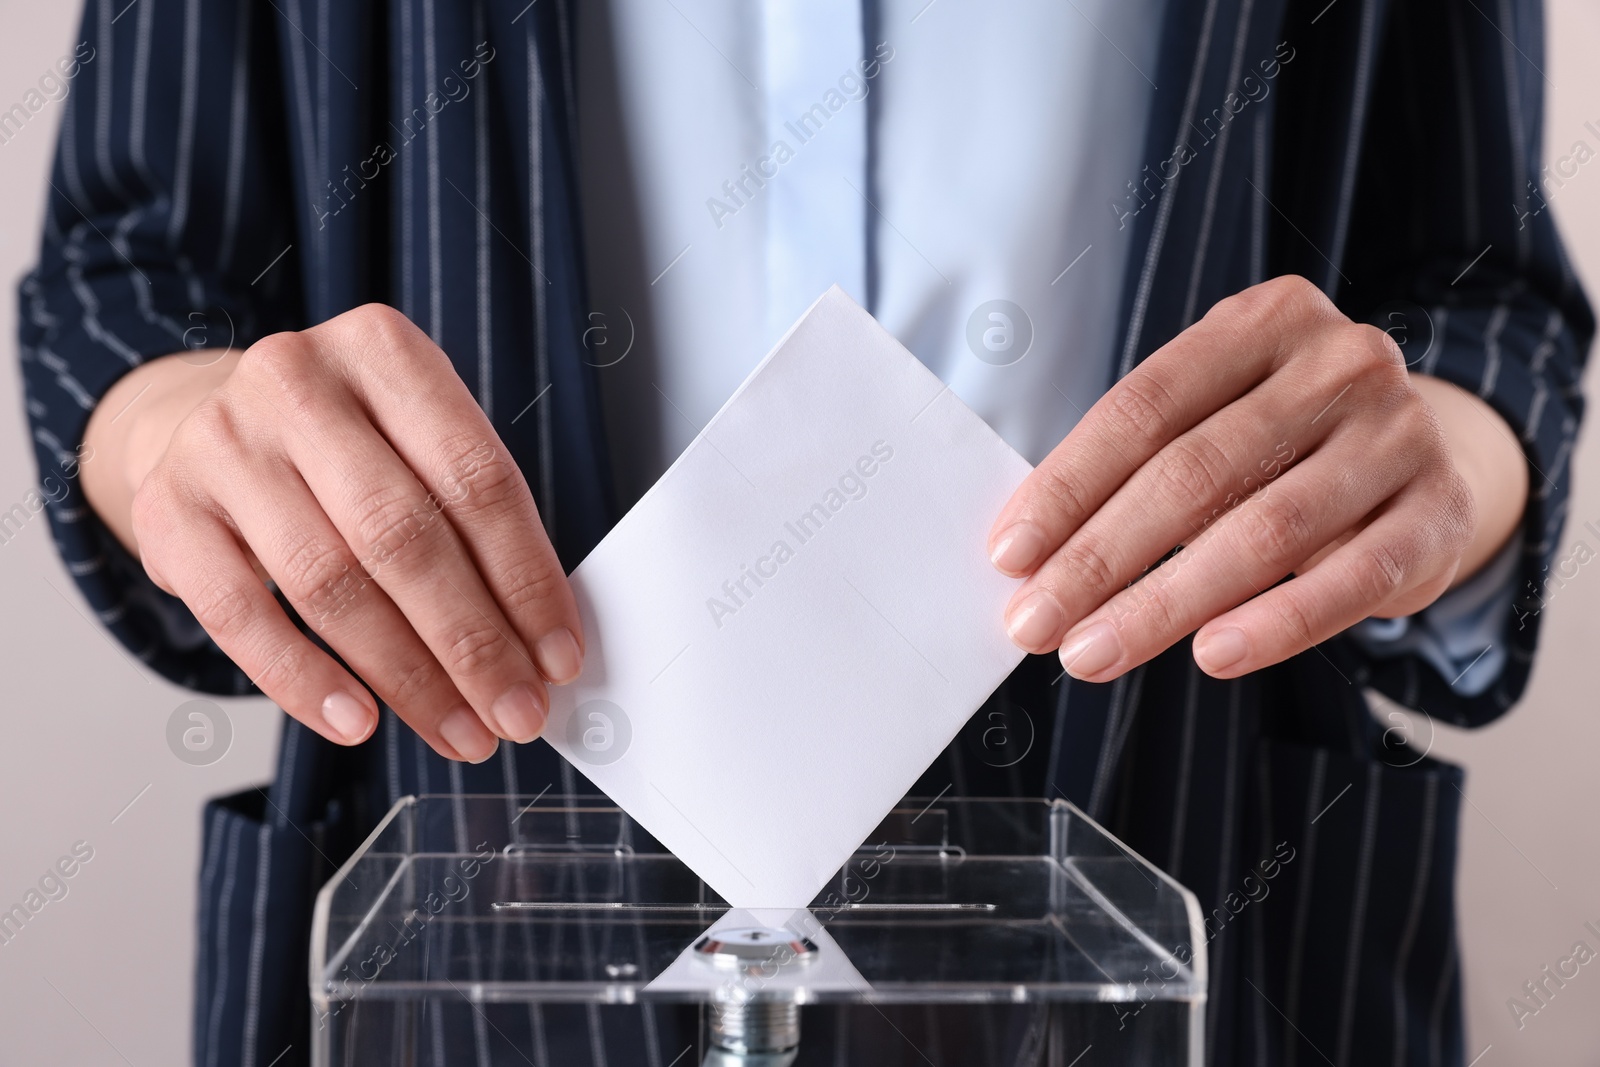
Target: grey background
x=102, y=976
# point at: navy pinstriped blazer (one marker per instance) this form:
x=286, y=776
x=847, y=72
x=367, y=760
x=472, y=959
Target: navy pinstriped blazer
x=201, y=181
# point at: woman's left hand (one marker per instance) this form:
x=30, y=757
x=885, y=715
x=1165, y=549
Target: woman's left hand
x=1273, y=437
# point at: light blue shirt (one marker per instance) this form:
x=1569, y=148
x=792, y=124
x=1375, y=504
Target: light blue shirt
x=948, y=164
x=729, y=140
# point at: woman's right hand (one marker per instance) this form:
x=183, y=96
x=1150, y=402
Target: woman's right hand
x=348, y=464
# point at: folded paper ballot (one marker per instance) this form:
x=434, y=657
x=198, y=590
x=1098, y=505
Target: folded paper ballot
x=789, y=627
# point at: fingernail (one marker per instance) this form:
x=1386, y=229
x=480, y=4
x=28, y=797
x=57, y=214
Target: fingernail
x=1034, y=623
x=1017, y=549
x=1092, y=651
x=558, y=657
x=520, y=711
x=463, y=731
x=351, y=718
x=1220, y=650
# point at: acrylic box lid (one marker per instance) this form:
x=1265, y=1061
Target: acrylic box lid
x=565, y=899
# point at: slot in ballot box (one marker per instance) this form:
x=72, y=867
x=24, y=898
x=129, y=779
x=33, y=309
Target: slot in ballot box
x=500, y=931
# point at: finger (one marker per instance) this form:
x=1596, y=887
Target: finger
x=1407, y=603
x=1206, y=472
x=1209, y=365
x=321, y=577
x=1248, y=550
x=459, y=458
x=1171, y=500
x=1327, y=550
x=195, y=556
x=1409, y=545
x=1414, y=599
x=402, y=539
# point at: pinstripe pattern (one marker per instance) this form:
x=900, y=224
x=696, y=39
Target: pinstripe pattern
x=205, y=139
x=1209, y=214
x=1358, y=917
x=217, y=993
x=188, y=109
x=480, y=156
x=102, y=115
x=1448, y=981
x=1152, y=258
x=211, y=854
x=258, y=945
x=541, y=380
x=1226, y=867
x=1180, y=792
x=1355, y=122
x=236, y=127
x=1413, y=919
x=1264, y=844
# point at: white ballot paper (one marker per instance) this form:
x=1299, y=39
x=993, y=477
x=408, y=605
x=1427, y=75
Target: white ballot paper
x=795, y=620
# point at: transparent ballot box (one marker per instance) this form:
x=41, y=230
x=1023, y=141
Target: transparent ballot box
x=504, y=931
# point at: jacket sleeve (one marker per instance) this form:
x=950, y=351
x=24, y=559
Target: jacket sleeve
x=1454, y=249
x=166, y=204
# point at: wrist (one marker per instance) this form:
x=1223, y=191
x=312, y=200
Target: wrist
x=1486, y=454
x=132, y=425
